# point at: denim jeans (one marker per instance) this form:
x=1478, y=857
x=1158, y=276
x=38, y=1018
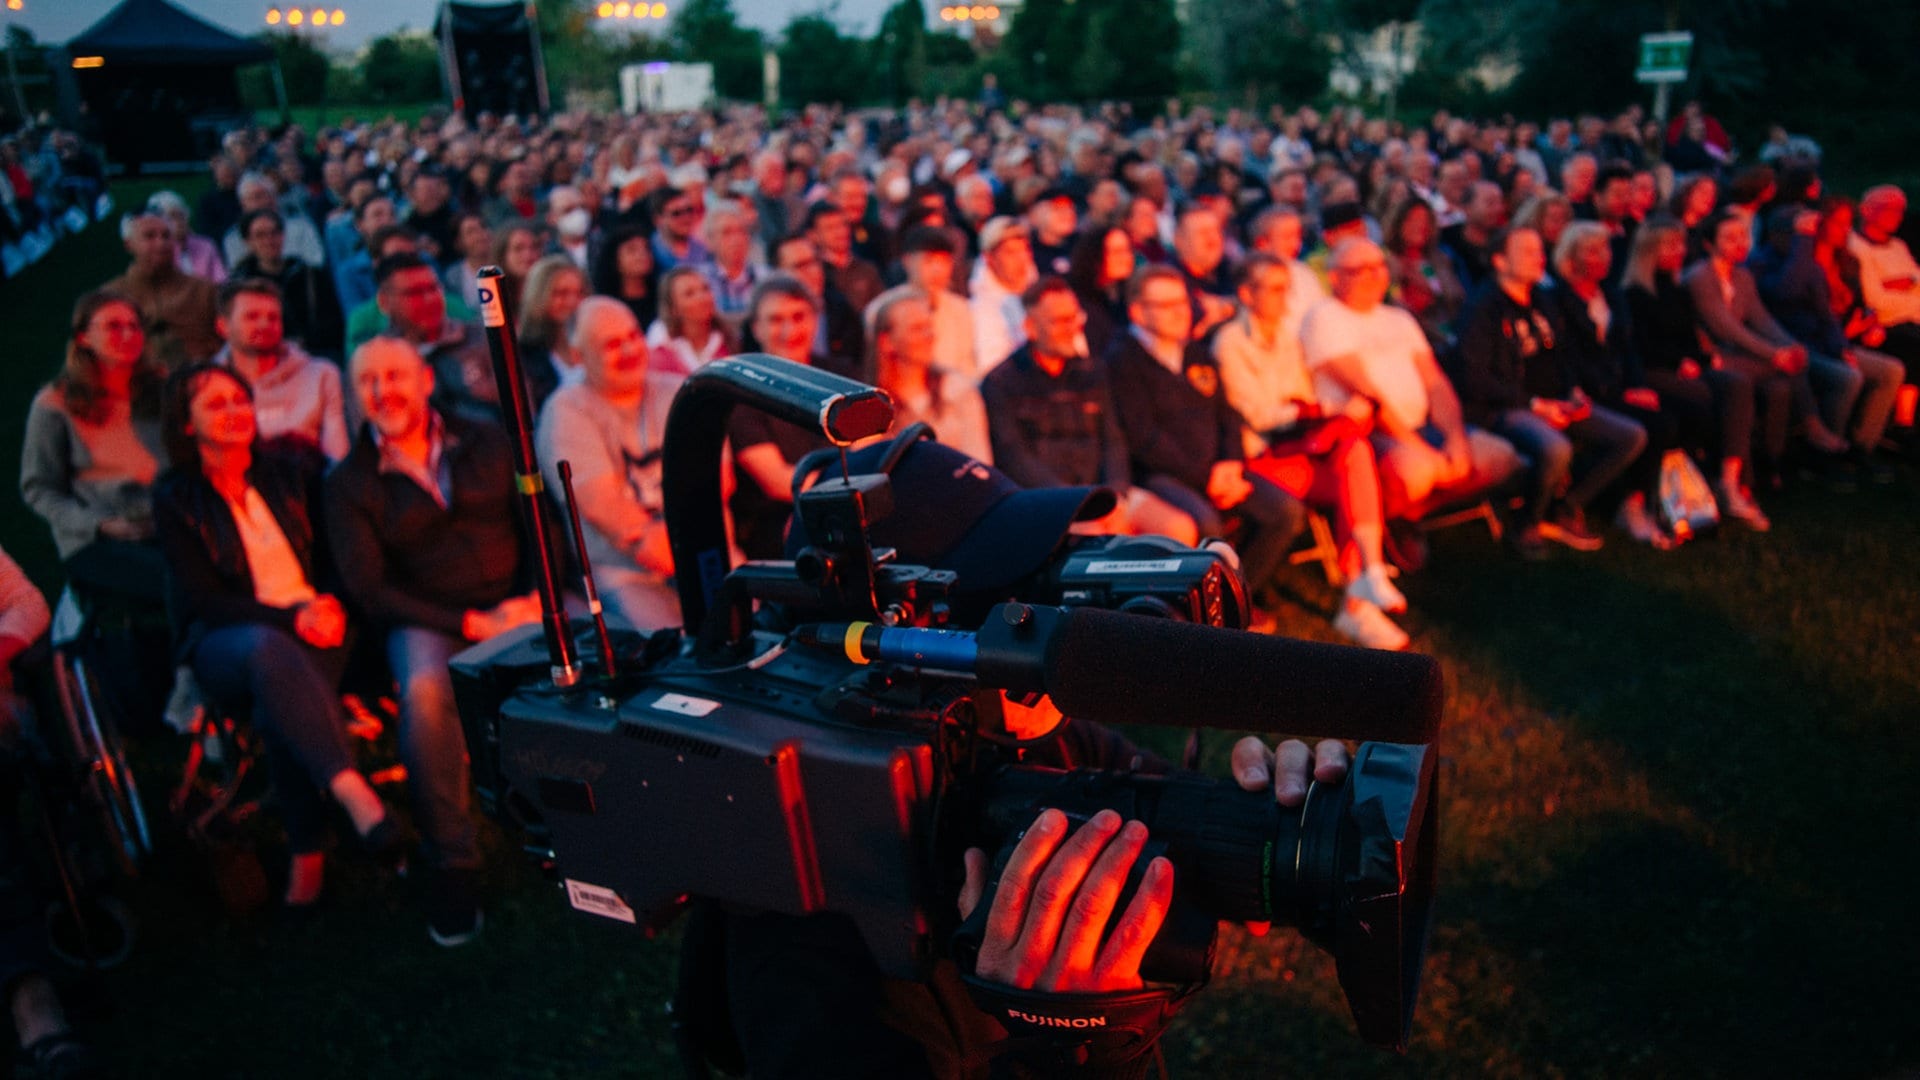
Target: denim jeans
x=1612, y=442
x=432, y=745
x=290, y=691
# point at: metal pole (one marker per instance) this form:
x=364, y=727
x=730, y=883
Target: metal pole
x=13, y=79
x=280, y=92
x=1662, y=98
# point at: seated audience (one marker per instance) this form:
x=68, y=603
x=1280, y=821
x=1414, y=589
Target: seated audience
x=1000, y=277
x=1470, y=242
x=781, y=320
x=196, y=255
x=733, y=272
x=310, y=312
x=301, y=240
x=239, y=521
x=93, y=449
x=176, y=308
x=922, y=391
x=624, y=270
x=856, y=279
x=1856, y=385
x=555, y=288
x=927, y=258
x=1098, y=268
x=689, y=333
x=1052, y=423
x=1324, y=461
x=609, y=424
x=417, y=312
x=1515, y=378
x=1748, y=340
x=1889, y=276
x=838, y=333
x=1371, y=362
x=1424, y=280
x=292, y=395
x=422, y=525
x=1183, y=438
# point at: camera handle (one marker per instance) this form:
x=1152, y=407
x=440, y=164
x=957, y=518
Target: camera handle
x=841, y=409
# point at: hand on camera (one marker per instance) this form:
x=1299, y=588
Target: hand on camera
x=1288, y=768
x=1045, y=928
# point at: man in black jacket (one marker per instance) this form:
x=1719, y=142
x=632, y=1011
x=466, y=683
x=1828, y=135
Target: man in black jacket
x=1187, y=444
x=1514, y=378
x=1051, y=418
x=422, y=522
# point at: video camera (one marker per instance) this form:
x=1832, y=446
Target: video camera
x=826, y=736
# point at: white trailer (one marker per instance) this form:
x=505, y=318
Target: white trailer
x=663, y=87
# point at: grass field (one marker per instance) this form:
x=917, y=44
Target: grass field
x=1675, y=793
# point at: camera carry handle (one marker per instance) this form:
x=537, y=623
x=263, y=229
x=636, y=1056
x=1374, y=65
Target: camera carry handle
x=840, y=409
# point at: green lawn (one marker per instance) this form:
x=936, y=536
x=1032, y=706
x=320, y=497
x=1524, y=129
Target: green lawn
x=1675, y=789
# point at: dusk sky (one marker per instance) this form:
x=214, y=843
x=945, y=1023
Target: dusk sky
x=56, y=21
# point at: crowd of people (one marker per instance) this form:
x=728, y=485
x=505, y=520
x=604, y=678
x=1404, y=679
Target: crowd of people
x=52, y=185
x=282, y=422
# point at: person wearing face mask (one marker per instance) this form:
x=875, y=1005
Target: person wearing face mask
x=609, y=426
x=571, y=223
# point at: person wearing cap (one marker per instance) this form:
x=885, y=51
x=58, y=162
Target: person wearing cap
x=927, y=257
x=1051, y=420
x=1339, y=223
x=1053, y=219
x=832, y=233
x=1004, y=271
x=1185, y=440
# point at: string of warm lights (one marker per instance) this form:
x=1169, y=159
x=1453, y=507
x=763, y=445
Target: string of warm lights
x=294, y=16
x=975, y=13
x=609, y=9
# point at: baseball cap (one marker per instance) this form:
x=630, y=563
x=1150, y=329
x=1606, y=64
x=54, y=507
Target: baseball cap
x=951, y=512
x=955, y=161
x=999, y=230
x=1334, y=215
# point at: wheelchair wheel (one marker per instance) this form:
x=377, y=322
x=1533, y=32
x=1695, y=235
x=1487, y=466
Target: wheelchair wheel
x=101, y=763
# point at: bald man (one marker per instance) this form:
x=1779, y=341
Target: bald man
x=426, y=542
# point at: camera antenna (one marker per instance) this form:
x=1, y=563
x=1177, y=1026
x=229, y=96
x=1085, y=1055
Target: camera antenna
x=517, y=410
x=586, y=573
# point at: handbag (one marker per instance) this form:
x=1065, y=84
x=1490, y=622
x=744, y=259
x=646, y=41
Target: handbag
x=1686, y=505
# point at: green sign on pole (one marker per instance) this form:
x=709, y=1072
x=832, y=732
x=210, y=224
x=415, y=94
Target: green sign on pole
x=1663, y=57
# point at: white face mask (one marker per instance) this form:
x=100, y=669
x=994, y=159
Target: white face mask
x=575, y=223
x=897, y=189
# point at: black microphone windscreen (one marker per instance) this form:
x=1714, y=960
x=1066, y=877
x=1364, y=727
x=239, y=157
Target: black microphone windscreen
x=1124, y=668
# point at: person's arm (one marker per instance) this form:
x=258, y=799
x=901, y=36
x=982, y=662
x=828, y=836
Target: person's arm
x=46, y=476
x=1723, y=325
x=605, y=500
x=1443, y=405
x=1754, y=313
x=1151, y=447
x=991, y=341
x=360, y=562
x=23, y=613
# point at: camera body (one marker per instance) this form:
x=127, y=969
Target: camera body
x=739, y=765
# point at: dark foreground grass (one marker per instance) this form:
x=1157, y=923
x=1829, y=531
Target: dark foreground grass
x=1678, y=794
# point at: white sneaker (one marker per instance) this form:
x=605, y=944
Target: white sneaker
x=1367, y=626
x=1736, y=503
x=1375, y=586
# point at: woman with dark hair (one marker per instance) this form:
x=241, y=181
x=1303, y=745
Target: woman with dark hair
x=1424, y=281
x=1098, y=268
x=625, y=270
x=1677, y=363
x=1693, y=203
x=92, y=450
x=239, y=523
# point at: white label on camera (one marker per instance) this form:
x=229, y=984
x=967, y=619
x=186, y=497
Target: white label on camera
x=684, y=705
x=595, y=900
x=1138, y=566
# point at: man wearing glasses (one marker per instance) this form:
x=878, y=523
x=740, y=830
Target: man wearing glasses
x=1371, y=362
x=676, y=225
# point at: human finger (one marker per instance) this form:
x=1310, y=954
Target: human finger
x=1085, y=929
x=1291, y=763
x=1330, y=760
x=1119, y=965
x=1052, y=895
x=1252, y=763
x=1010, y=898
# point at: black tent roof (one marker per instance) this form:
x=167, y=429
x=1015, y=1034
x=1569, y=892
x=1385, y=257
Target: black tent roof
x=156, y=32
